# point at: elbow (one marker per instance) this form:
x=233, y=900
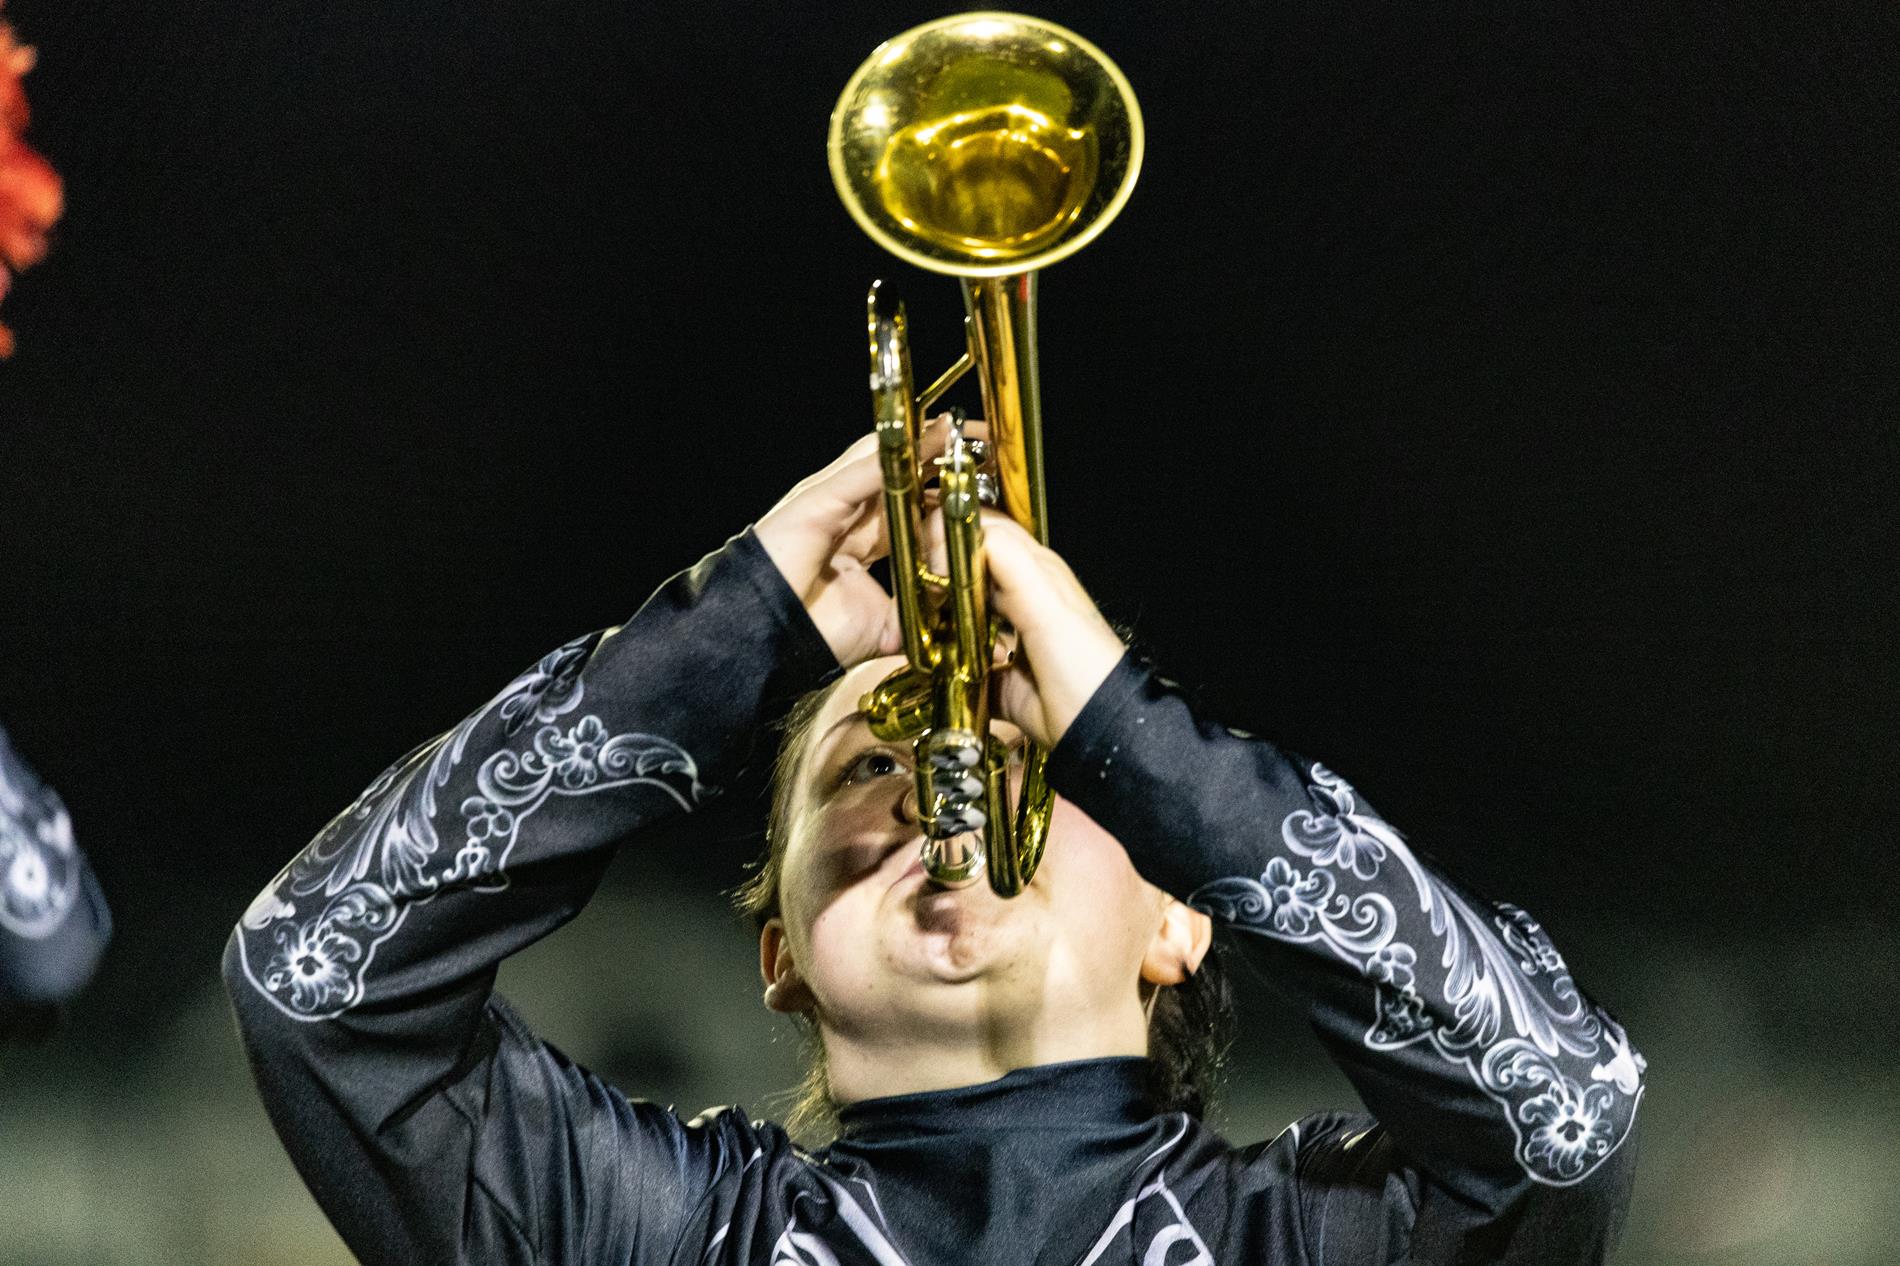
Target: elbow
x=1582, y=1222
x=1576, y=1151
x=247, y=954
x=51, y=972
x=238, y=987
x=232, y=969
x=1581, y=1133
x=248, y=1002
x=1579, y=1217
x=1617, y=1085
x=1610, y=1187
x=39, y=981
x=261, y=1029
x=256, y=960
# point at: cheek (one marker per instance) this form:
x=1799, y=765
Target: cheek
x=839, y=844
x=829, y=886
x=1094, y=889
x=841, y=957
x=1079, y=846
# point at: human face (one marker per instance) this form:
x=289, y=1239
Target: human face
x=880, y=953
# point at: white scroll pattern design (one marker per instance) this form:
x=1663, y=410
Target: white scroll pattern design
x=1172, y=1239
x=1507, y=1009
x=856, y=1236
x=308, y=939
x=40, y=864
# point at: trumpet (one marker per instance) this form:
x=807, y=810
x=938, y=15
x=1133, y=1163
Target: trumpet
x=984, y=146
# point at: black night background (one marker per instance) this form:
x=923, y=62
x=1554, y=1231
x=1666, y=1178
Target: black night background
x=1498, y=401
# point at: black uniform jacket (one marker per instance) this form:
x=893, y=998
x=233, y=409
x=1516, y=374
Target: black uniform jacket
x=433, y=1127
x=53, y=919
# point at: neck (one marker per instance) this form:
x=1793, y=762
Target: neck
x=900, y=1058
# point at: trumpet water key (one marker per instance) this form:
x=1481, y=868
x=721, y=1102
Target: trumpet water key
x=985, y=146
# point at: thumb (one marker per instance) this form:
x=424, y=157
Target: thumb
x=1034, y=588
x=1071, y=647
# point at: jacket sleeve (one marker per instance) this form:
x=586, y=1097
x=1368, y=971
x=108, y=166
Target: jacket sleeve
x=431, y=1126
x=53, y=919
x=1503, y=1099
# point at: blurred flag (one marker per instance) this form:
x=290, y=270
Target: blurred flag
x=30, y=196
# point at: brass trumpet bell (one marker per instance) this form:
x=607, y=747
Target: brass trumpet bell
x=985, y=144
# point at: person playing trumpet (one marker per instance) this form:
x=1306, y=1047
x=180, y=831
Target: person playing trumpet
x=1001, y=1081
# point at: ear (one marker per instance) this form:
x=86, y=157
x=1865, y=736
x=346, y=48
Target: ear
x=785, y=990
x=1179, y=945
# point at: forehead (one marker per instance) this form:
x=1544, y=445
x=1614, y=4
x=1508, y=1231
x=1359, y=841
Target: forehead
x=826, y=730
x=849, y=689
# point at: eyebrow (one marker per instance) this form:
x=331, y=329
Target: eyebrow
x=856, y=714
x=819, y=745
x=817, y=754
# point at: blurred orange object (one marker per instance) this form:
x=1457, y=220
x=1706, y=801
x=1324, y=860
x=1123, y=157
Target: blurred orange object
x=30, y=194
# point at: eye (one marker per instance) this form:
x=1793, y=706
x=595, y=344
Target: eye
x=877, y=762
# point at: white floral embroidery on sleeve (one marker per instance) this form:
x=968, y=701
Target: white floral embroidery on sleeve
x=39, y=862
x=1517, y=1023
x=308, y=939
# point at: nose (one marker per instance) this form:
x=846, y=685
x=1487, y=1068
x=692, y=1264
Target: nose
x=907, y=806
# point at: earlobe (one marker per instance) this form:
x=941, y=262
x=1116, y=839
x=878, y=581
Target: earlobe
x=1179, y=945
x=785, y=990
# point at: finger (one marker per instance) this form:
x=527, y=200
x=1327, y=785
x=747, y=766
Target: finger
x=1018, y=561
x=839, y=491
x=1032, y=586
x=869, y=539
x=1024, y=556
x=1003, y=650
x=891, y=633
x=843, y=486
x=865, y=538
x=932, y=438
x=860, y=447
x=936, y=550
x=1014, y=698
x=934, y=442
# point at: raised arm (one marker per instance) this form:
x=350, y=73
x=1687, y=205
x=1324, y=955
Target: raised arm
x=53, y=920
x=1504, y=1098
x=429, y=1124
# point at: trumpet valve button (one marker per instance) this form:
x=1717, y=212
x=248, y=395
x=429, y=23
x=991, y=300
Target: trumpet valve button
x=966, y=788
x=952, y=751
x=958, y=821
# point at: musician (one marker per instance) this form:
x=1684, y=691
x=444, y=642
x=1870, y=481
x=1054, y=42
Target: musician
x=987, y=1060
x=53, y=919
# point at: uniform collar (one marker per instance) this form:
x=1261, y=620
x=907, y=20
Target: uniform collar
x=1088, y=1094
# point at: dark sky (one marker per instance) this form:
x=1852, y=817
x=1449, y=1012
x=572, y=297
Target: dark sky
x=1498, y=402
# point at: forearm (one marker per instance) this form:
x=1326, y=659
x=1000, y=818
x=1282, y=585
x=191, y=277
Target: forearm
x=366, y=965
x=1454, y=1017
x=54, y=924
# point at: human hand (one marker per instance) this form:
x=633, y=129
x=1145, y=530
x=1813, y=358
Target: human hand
x=1065, y=648
x=823, y=536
